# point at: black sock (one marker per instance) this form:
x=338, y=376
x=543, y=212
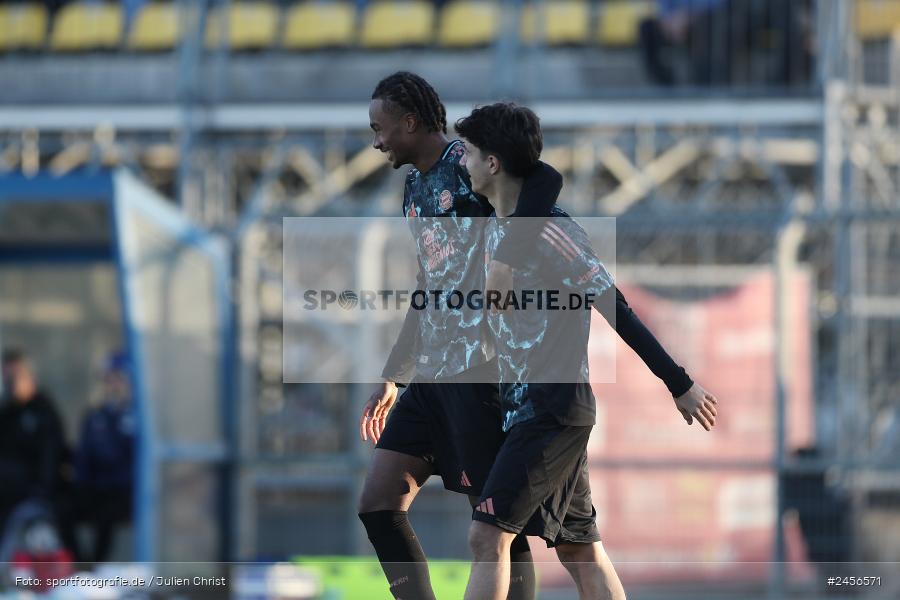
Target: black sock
x=400, y=554
x=522, y=581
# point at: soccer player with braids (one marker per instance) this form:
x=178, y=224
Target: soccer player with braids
x=447, y=421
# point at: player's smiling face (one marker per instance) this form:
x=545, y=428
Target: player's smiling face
x=481, y=168
x=392, y=133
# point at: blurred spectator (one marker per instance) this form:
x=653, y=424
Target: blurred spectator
x=767, y=41
x=31, y=438
x=104, y=459
x=701, y=27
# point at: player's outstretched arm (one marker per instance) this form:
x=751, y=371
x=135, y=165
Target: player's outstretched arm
x=375, y=411
x=692, y=401
x=640, y=339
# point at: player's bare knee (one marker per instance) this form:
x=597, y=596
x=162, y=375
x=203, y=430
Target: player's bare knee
x=575, y=553
x=487, y=541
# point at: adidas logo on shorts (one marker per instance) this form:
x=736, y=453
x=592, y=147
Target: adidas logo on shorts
x=464, y=480
x=486, y=507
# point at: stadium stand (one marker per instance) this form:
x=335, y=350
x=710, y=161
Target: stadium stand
x=156, y=27
x=84, y=26
x=23, y=26
x=877, y=19
x=620, y=21
x=249, y=26
x=469, y=24
x=314, y=24
x=565, y=22
x=393, y=24
x=87, y=25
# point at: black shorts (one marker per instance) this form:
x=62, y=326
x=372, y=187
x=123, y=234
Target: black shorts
x=454, y=425
x=539, y=484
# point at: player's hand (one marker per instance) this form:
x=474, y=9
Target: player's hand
x=697, y=403
x=375, y=412
x=500, y=278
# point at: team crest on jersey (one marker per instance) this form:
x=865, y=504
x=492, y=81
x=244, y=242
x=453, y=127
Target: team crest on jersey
x=412, y=211
x=446, y=200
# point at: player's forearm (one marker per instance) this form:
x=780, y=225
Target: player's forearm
x=634, y=333
x=401, y=363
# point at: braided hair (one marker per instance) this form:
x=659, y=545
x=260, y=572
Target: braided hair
x=407, y=92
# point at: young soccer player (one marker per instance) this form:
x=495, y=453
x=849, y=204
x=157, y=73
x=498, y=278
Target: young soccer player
x=539, y=482
x=447, y=422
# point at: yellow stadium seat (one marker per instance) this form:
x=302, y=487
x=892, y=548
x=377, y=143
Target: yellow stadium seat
x=564, y=22
x=250, y=25
x=317, y=24
x=620, y=21
x=87, y=26
x=469, y=23
x=876, y=19
x=156, y=27
x=390, y=24
x=22, y=26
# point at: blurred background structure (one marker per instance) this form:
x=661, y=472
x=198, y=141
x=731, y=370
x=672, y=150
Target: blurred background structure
x=750, y=150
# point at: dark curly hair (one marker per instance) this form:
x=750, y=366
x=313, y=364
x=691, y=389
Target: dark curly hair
x=510, y=132
x=407, y=92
